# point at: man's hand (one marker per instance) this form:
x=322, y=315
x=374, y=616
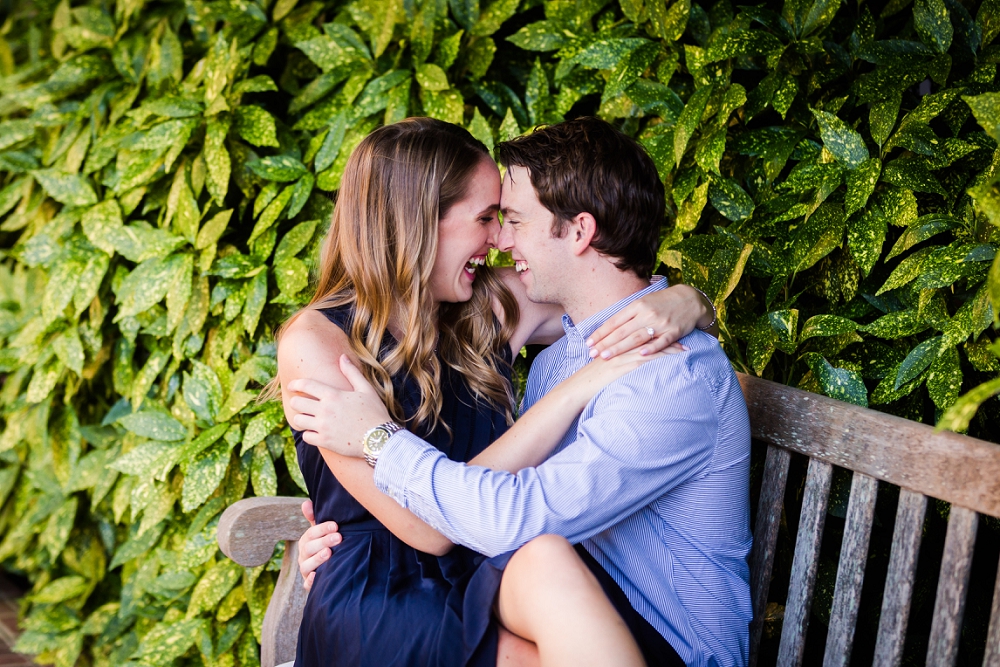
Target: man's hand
x=316, y=544
x=332, y=419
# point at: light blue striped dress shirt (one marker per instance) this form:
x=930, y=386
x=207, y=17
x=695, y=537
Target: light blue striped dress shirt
x=652, y=479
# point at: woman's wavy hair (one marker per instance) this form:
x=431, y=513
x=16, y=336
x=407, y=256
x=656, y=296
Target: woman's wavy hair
x=378, y=257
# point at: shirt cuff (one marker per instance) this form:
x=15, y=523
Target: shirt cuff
x=401, y=456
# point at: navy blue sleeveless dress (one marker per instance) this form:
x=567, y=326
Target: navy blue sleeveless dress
x=380, y=602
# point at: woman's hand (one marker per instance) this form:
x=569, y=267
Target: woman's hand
x=334, y=419
x=315, y=545
x=652, y=323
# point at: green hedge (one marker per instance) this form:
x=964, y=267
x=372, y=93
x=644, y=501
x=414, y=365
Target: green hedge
x=165, y=179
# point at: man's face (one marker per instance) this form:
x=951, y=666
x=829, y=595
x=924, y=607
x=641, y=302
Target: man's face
x=541, y=260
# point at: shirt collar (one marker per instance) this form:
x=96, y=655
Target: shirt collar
x=591, y=324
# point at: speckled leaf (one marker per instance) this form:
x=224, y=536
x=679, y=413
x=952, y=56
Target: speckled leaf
x=261, y=426
x=957, y=417
x=272, y=212
x=300, y=195
x=844, y=143
x=168, y=641
x=66, y=188
x=43, y=380
x=212, y=230
x=710, y=149
x=213, y=586
x=256, y=299
x=826, y=325
x=688, y=121
x=262, y=473
x=761, y=345
x=899, y=324
x=432, y=77
x=930, y=18
x=866, y=236
x=860, y=184
x=58, y=527
x=689, y=212
x=988, y=20
x=331, y=144
x=281, y=168
x=899, y=206
x=840, y=383
x=154, y=425
x=917, y=361
x=907, y=270
x=146, y=285
x=373, y=98
x=784, y=95
x=140, y=242
x=986, y=109
x=204, y=474
x=69, y=349
x=946, y=265
x=295, y=240
x=60, y=590
x=670, y=25
x=730, y=199
x=944, y=380
x=146, y=460
x=815, y=238
x=217, y=158
x=256, y=125
x=913, y=174
x=539, y=36
x=785, y=324
x=480, y=129
x=920, y=230
x=291, y=275
x=61, y=287
x=882, y=117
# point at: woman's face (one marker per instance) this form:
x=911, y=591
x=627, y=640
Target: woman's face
x=465, y=235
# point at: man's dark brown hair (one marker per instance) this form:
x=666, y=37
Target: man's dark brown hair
x=585, y=165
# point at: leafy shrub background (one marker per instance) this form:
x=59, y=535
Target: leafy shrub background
x=165, y=178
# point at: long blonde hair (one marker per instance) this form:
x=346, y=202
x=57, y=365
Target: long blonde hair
x=379, y=255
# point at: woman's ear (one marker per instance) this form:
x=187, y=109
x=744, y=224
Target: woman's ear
x=582, y=229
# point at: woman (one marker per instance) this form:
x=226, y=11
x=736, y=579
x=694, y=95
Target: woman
x=436, y=340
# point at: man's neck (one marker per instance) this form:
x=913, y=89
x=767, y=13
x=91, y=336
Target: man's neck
x=597, y=290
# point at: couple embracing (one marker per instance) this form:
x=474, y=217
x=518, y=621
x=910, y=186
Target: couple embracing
x=609, y=524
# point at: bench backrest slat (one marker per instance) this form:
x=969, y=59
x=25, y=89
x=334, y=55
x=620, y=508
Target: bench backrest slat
x=851, y=571
x=804, y=563
x=906, y=538
x=953, y=581
x=955, y=468
x=765, y=537
x=991, y=657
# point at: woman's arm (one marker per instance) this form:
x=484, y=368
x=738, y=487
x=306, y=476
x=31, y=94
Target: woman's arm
x=672, y=313
x=310, y=349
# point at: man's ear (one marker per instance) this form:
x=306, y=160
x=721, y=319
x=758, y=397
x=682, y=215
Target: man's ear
x=582, y=229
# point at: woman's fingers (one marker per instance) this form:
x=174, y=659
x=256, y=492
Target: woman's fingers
x=316, y=547
x=355, y=376
x=307, y=512
x=313, y=388
x=308, y=583
x=303, y=405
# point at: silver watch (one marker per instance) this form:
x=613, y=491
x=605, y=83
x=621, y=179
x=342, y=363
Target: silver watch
x=375, y=440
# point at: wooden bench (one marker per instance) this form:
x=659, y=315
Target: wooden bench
x=876, y=447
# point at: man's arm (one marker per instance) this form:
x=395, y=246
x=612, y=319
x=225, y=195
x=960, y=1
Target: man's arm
x=636, y=445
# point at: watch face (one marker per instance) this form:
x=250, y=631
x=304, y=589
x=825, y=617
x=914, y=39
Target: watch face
x=377, y=439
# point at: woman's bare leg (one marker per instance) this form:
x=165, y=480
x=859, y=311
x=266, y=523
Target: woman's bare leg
x=513, y=651
x=548, y=596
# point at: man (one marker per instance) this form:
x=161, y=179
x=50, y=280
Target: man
x=652, y=481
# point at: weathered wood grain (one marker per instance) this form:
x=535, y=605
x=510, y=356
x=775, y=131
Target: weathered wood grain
x=250, y=529
x=765, y=536
x=898, y=592
x=956, y=468
x=851, y=571
x=280, y=633
x=804, y=563
x=991, y=657
x=953, y=583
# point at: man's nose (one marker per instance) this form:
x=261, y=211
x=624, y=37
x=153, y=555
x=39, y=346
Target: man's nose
x=505, y=239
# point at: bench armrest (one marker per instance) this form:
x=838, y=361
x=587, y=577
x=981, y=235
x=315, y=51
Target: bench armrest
x=250, y=529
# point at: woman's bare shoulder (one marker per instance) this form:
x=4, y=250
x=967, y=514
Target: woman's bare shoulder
x=310, y=347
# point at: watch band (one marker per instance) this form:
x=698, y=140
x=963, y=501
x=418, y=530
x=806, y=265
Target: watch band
x=389, y=427
x=715, y=312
